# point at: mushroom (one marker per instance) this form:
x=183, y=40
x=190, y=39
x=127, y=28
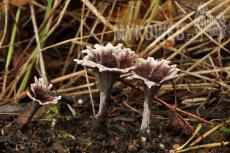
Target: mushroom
x=153, y=74
x=109, y=62
x=39, y=95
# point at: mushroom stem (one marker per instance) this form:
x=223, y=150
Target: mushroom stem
x=149, y=94
x=107, y=79
x=33, y=109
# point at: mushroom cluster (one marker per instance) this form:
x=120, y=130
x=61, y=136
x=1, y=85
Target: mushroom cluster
x=111, y=61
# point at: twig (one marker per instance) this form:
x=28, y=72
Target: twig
x=42, y=65
x=205, y=135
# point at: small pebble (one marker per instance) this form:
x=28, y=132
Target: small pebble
x=162, y=146
x=16, y=149
x=80, y=101
x=22, y=147
x=143, y=139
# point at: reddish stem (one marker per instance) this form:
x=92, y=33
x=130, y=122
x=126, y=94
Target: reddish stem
x=33, y=109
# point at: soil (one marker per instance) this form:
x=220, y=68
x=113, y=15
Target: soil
x=120, y=135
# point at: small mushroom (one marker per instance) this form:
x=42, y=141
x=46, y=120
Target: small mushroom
x=39, y=95
x=109, y=62
x=153, y=74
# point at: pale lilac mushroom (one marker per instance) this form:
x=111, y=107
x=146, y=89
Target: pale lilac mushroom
x=109, y=62
x=153, y=74
x=39, y=95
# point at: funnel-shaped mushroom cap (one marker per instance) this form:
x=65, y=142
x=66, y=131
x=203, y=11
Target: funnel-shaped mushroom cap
x=154, y=73
x=109, y=58
x=39, y=92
